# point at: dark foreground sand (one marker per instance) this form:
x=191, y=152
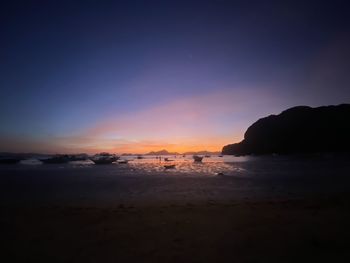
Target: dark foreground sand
x=304, y=230
x=264, y=210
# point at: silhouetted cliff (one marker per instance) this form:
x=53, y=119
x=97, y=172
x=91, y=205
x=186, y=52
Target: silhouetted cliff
x=297, y=130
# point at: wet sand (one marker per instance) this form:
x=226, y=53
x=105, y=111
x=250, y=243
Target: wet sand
x=274, y=212
x=270, y=231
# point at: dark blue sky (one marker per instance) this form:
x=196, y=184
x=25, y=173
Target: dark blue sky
x=94, y=75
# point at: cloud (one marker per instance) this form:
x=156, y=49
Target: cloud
x=202, y=122
x=206, y=121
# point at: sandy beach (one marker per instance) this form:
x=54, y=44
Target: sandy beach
x=209, y=131
x=278, y=231
x=115, y=213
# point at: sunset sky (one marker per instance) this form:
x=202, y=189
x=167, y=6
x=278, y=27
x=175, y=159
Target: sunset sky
x=139, y=76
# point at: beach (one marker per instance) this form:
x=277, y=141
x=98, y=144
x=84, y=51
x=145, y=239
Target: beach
x=208, y=131
x=275, y=209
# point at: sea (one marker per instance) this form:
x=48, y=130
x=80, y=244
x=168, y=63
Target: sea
x=147, y=180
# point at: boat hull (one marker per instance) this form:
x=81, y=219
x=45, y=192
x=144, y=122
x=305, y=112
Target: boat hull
x=104, y=161
x=197, y=158
x=9, y=161
x=54, y=160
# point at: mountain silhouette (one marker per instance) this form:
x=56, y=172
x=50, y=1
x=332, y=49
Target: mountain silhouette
x=300, y=129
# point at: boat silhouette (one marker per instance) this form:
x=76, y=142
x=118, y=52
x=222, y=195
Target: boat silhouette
x=10, y=160
x=197, y=158
x=56, y=159
x=104, y=158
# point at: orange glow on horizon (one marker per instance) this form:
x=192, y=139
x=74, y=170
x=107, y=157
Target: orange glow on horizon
x=204, y=122
x=93, y=145
x=143, y=149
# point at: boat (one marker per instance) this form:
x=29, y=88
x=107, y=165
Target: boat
x=168, y=160
x=56, y=159
x=197, y=158
x=77, y=157
x=139, y=157
x=169, y=166
x=123, y=161
x=9, y=160
x=104, y=158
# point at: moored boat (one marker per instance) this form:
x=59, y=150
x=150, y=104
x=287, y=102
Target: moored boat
x=78, y=157
x=197, y=158
x=56, y=159
x=9, y=160
x=104, y=158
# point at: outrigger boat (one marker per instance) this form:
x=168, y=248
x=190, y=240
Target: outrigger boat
x=56, y=159
x=197, y=158
x=78, y=157
x=10, y=160
x=104, y=158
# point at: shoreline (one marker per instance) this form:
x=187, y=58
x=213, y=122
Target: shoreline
x=267, y=211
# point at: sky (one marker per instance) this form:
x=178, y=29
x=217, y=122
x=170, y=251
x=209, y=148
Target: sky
x=140, y=76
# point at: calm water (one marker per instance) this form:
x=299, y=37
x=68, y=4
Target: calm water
x=146, y=180
x=210, y=166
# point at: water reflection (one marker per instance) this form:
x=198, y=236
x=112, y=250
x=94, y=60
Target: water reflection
x=210, y=166
x=213, y=165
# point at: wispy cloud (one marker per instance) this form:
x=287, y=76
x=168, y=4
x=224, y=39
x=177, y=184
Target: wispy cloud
x=203, y=122
x=206, y=121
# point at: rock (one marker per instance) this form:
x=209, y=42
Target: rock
x=300, y=129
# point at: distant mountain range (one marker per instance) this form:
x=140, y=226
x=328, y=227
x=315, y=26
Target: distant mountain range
x=202, y=153
x=165, y=152
x=300, y=129
x=43, y=155
x=162, y=152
